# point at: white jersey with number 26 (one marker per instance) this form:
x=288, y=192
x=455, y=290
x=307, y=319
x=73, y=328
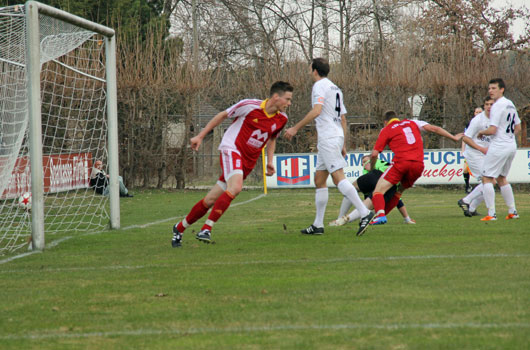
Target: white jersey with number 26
x=328, y=123
x=504, y=116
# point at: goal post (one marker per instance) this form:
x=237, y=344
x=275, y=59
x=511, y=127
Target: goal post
x=58, y=105
x=33, y=9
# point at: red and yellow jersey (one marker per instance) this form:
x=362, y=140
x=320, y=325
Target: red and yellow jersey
x=251, y=129
x=403, y=138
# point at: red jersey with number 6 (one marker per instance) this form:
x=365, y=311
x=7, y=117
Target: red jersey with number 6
x=404, y=139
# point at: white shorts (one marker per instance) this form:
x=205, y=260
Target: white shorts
x=329, y=155
x=475, y=166
x=231, y=164
x=498, y=162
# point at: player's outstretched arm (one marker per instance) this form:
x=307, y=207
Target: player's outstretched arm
x=491, y=130
x=469, y=141
x=442, y=132
x=309, y=117
x=196, y=141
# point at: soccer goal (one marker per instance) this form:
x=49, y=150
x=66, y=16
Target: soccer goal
x=58, y=115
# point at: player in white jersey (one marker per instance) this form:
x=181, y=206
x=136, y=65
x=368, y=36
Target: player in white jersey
x=504, y=125
x=466, y=171
x=475, y=150
x=328, y=111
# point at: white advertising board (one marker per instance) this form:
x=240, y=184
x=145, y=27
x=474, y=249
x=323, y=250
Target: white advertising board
x=442, y=167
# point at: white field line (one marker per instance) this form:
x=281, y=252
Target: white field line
x=271, y=262
x=265, y=328
x=56, y=242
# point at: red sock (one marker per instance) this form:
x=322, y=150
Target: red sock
x=197, y=212
x=221, y=205
x=378, y=201
x=392, y=202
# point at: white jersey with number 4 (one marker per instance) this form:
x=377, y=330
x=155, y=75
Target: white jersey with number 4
x=504, y=116
x=328, y=123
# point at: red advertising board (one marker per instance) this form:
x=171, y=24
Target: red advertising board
x=62, y=172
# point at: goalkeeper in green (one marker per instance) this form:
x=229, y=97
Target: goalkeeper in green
x=366, y=184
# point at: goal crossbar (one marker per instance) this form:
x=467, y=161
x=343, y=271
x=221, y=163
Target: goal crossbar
x=72, y=19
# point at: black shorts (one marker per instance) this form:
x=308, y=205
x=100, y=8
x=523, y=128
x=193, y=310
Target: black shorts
x=367, y=184
x=368, y=181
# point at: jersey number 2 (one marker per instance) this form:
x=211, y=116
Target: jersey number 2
x=511, y=123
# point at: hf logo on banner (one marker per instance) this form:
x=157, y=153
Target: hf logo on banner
x=292, y=170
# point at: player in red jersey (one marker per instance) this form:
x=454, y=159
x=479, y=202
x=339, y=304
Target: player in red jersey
x=256, y=123
x=404, y=139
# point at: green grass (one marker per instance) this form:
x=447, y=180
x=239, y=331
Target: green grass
x=449, y=282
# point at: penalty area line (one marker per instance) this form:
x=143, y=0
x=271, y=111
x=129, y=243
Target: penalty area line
x=265, y=328
x=63, y=239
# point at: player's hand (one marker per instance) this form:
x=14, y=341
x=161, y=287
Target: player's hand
x=483, y=150
x=344, y=151
x=270, y=170
x=459, y=136
x=195, y=142
x=289, y=133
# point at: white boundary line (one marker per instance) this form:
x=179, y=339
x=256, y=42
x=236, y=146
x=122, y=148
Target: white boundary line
x=254, y=329
x=60, y=240
x=273, y=262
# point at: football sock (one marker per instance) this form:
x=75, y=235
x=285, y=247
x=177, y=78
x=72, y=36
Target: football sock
x=321, y=200
x=392, y=203
x=379, y=203
x=475, y=203
x=221, y=204
x=354, y=215
x=344, y=207
x=466, y=179
x=347, y=189
x=507, y=194
x=477, y=191
x=489, y=198
x=197, y=212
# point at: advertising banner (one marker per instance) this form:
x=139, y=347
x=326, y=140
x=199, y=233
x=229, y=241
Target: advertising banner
x=62, y=172
x=442, y=167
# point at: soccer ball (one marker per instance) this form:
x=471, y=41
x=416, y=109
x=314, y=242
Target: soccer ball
x=24, y=201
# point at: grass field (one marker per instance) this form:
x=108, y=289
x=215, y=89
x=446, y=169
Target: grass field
x=449, y=282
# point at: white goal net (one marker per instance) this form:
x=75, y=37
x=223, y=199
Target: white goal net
x=73, y=93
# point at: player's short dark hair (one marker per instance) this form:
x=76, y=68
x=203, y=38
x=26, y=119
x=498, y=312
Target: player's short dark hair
x=280, y=87
x=486, y=99
x=321, y=65
x=499, y=82
x=389, y=115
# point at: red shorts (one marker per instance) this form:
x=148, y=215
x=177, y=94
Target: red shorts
x=232, y=163
x=406, y=172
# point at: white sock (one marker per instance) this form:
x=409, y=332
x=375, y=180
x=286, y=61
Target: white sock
x=507, y=194
x=477, y=191
x=344, y=207
x=347, y=189
x=354, y=215
x=321, y=200
x=489, y=198
x=475, y=203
